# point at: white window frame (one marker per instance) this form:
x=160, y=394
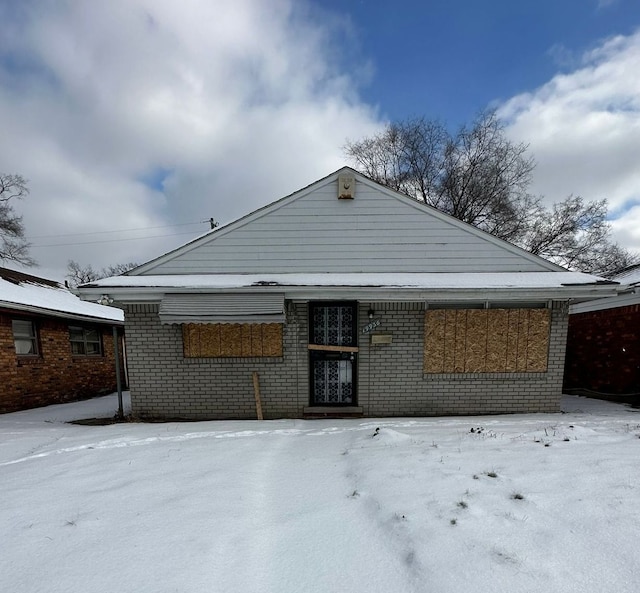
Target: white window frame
x=25, y=337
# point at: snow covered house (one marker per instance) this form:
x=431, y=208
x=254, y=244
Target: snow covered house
x=346, y=298
x=54, y=347
x=603, y=345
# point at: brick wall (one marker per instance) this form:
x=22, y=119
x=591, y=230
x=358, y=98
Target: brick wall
x=165, y=384
x=603, y=351
x=55, y=375
x=391, y=381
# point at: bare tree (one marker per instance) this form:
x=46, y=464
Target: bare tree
x=78, y=274
x=482, y=178
x=576, y=235
x=118, y=269
x=13, y=244
x=476, y=175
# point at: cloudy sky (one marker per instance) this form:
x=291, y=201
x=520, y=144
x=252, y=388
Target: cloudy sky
x=148, y=117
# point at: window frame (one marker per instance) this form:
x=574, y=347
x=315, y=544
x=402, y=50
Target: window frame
x=33, y=337
x=486, y=341
x=85, y=342
x=232, y=340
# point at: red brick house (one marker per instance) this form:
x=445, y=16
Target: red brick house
x=53, y=346
x=603, y=344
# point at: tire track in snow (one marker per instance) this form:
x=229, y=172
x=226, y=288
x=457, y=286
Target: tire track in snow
x=522, y=423
x=391, y=525
x=126, y=441
x=306, y=533
x=132, y=442
x=249, y=552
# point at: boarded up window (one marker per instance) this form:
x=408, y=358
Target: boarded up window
x=486, y=340
x=214, y=340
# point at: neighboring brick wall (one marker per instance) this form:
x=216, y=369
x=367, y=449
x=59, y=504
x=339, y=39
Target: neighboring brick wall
x=603, y=351
x=55, y=375
x=391, y=381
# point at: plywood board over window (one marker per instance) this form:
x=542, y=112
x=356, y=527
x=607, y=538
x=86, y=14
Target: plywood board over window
x=486, y=341
x=232, y=340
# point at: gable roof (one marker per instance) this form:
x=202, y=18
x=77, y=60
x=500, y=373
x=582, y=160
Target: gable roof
x=381, y=245
x=32, y=294
x=379, y=231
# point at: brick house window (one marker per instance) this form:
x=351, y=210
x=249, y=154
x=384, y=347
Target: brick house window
x=486, y=340
x=85, y=341
x=223, y=340
x=25, y=337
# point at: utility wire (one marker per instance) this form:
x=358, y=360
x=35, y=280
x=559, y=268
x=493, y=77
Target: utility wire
x=111, y=240
x=117, y=231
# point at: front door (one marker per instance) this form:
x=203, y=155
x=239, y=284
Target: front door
x=333, y=352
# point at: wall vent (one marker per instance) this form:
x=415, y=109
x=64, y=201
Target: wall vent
x=346, y=187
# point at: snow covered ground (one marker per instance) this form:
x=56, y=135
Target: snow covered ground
x=497, y=503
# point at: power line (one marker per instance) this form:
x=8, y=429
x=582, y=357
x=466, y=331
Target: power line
x=111, y=240
x=117, y=231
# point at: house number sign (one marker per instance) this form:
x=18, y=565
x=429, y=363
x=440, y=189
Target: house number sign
x=367, y=328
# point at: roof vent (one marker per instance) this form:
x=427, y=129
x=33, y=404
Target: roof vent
x=346, y=187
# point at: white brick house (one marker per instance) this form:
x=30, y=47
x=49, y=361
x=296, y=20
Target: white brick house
x=346, y=298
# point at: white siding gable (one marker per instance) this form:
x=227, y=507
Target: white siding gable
x=377, y=231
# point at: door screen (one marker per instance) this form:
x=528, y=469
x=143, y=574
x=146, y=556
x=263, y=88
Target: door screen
x=333, y=369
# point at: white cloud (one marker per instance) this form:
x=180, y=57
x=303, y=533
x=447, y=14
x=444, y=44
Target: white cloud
x=584, y=131
x=239, y=103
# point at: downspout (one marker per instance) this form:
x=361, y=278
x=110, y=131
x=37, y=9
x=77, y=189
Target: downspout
x=123, y=342
x=116, y=354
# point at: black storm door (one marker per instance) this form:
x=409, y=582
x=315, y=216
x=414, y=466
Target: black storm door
x=333, y=353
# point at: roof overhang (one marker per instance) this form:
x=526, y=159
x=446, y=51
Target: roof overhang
x=623, y=300
x=34, y=310
x=429, y=287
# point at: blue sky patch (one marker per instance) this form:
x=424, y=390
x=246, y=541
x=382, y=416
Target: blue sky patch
x=155, y=178
x=615, y=213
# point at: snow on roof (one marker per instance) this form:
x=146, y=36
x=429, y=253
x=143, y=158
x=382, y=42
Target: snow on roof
x=629, y=276
x=437, y=281
x=30, y=293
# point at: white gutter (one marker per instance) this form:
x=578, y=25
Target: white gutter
x=142, y=295
x=621, y=300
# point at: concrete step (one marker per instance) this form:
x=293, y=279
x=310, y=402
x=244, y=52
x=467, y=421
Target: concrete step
x=332, y=412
